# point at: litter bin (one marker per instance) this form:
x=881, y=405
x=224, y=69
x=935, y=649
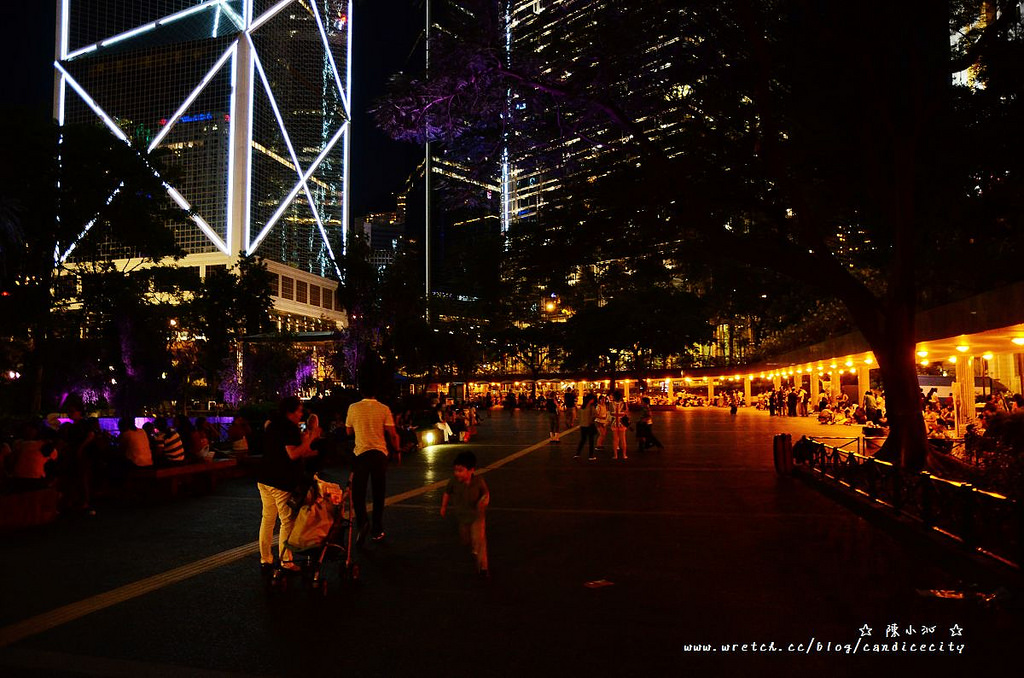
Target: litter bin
x=782, y=451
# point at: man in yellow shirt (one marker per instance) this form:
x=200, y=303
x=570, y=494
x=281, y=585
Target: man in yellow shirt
x=374, y=427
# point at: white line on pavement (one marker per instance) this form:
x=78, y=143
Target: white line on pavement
x=43, y=622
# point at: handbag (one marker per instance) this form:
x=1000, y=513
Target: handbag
x=315, y=517
x=624, y=420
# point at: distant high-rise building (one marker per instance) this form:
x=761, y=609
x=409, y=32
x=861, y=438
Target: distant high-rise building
x=535, y=175
x=251, y=101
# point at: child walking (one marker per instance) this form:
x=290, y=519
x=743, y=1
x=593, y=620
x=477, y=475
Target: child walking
x=468, y=497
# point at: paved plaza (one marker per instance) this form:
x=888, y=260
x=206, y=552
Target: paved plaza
x=647, y=567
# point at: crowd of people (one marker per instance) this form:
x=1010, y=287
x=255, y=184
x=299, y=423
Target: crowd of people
x=77, y=457
x=291, y=456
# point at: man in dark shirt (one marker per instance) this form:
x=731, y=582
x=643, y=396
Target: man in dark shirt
x=279, y=475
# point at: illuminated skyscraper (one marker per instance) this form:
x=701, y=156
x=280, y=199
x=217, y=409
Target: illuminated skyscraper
x=251, y=100
x=632, y=68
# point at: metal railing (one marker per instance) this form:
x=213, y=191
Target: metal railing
x=985, y=522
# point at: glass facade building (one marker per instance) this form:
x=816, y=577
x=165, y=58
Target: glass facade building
x=536, y=175
x=248, y=102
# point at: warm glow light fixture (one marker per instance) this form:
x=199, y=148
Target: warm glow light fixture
x=987, y=356
x=963, y=348
x=1018, y=340
x=922, y=354
x=952, y=359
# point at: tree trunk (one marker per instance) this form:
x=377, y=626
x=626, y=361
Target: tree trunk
x=890, y=332
x=907, y=442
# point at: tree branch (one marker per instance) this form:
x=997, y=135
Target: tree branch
x=1006, y=16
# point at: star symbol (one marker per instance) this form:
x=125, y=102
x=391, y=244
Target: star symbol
x=865, y=631
x=955, y=631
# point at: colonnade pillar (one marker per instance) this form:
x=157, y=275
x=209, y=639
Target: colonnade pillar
x=963, y=394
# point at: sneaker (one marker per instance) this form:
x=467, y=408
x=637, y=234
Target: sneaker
x=575, y=456
x=591, y=458
x=290, y=566
x=379, y=537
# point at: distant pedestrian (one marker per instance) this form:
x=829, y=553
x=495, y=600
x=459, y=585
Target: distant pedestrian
x=870, y=406
x=468, y=497
x=645, y=437
x=588, y=429
x=601, y=420
x=619, y=413
x=374, y=427
x=551, y=406
x=570, y=408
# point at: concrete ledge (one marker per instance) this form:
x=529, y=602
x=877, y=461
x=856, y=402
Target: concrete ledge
x=174, y=474
x=28, y=509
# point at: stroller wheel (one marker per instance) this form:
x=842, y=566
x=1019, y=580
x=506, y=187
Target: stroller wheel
x=278, y=582
x=317, y=585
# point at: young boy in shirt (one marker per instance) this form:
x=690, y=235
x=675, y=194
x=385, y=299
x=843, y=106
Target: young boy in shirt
x=468, y=497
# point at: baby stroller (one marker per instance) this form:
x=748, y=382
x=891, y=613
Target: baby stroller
x=322, y=533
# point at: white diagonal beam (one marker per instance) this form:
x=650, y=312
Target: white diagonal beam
x=193, y=95
x=295, y=191
x=330, y=57
x=171, y=191
x=269, y=14
x=138, y=30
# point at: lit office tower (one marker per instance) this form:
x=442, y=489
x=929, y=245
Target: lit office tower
x=250, y=101
x=632, y=68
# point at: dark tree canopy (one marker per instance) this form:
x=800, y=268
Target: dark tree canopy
x=823, y=141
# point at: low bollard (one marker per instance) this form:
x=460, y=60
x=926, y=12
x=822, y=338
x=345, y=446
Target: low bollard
x=782, y=451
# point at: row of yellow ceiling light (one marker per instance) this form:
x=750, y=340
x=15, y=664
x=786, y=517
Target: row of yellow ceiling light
x=849, y=364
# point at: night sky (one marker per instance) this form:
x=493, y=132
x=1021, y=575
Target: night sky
x=385, y=32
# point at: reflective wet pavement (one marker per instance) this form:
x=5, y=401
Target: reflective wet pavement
x=687, y=550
